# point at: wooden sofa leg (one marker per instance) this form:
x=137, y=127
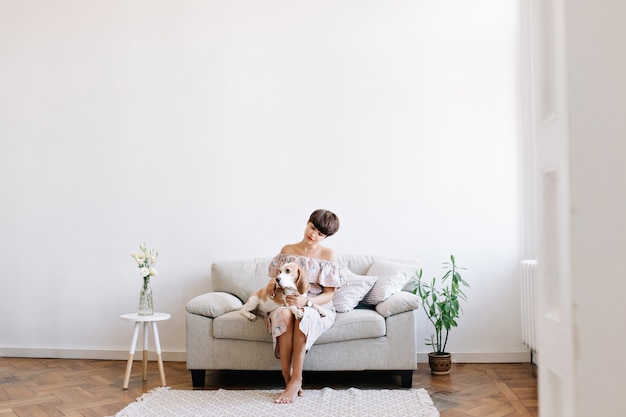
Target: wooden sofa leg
x=197, y=378
x=406, y=378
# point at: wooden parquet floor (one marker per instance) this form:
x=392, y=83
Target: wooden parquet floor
x=31, y=387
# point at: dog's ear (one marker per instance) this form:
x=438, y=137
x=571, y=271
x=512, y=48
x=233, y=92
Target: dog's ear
x=302, y=283
x=271, y=286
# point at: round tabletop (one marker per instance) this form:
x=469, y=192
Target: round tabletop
x=152, y=317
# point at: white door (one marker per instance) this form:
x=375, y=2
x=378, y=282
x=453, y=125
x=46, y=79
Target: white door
x=548, y=86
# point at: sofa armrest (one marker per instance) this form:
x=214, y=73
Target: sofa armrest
x=213, y=304
x=398, y=303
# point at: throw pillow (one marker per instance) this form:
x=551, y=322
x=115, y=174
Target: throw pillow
x=398, y=303
x=348, y=296
x=392, y=277
x=213, y=304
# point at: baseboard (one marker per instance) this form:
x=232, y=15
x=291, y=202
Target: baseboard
x=535, y=358
x=483, y=357
x=422, y=357
x=86, y=354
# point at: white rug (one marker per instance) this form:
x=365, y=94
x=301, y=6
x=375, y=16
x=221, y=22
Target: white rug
x=165, y=402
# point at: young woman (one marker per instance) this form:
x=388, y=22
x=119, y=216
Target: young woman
x=293, y=338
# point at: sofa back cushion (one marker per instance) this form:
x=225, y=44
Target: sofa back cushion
x=240, y=278
x=360, y=264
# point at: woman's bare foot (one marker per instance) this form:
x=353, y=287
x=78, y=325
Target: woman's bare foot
x=293, y=390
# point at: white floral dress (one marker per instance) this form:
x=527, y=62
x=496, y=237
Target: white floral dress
x=320, y=273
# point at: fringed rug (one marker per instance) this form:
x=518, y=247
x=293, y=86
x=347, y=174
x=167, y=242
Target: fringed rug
x=165, y=402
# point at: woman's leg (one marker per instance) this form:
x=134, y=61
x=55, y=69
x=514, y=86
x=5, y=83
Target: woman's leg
x=292, y=345
x=285, y=345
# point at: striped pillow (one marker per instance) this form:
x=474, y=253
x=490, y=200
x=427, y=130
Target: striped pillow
x=350, y=294
x=392, y=277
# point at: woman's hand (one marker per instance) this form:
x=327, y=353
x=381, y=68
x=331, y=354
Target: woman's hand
x=296, y=300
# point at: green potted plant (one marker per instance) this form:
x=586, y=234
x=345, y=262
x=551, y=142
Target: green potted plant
x=441, y=302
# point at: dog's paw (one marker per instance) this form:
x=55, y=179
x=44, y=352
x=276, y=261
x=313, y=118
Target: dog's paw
x=320, y=311
x=248, y=315
x=297, y=313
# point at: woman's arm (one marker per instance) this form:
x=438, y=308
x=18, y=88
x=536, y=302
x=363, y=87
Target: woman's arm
x=300, y=301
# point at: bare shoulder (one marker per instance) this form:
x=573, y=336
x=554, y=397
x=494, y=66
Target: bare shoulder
x=321, y=252
x=289, y=249
x=328, y=255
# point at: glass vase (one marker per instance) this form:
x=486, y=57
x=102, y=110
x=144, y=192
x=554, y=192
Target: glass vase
x=146, y=307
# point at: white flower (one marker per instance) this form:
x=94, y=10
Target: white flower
x=146, y=259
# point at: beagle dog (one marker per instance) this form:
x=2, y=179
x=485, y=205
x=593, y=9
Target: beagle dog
x=290, y=281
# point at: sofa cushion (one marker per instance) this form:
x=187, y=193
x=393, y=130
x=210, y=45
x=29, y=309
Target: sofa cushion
x=240, y=278
x=213, y=304
x=350, y=294
x=360, y=264
x=235, y=326
x=357, y=324
x=398, y=303
x=392, y=277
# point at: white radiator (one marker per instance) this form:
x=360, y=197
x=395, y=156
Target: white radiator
x=529, y=283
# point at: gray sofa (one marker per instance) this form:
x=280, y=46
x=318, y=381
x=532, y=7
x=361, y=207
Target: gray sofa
x=376, y=337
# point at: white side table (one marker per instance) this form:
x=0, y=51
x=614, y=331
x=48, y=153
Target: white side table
x=146, y=320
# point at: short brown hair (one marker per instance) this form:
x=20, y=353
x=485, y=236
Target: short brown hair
x=325, y=221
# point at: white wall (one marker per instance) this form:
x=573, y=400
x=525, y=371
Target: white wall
x=210, y=130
